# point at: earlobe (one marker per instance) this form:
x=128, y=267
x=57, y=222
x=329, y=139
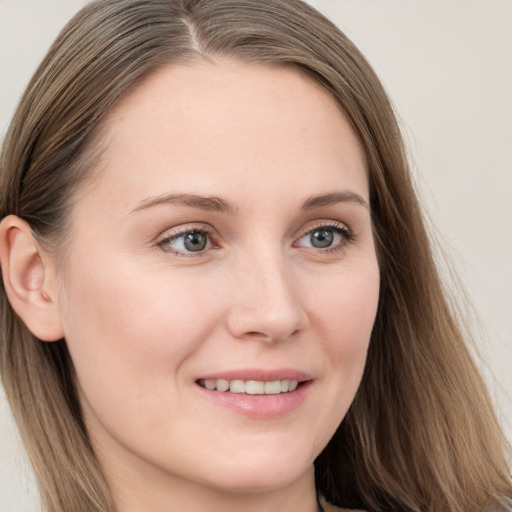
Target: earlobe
x=28, y=280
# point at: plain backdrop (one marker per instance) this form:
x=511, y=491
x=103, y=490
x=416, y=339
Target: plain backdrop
x=447, y=65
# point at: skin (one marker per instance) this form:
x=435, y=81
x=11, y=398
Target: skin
x=144, y=319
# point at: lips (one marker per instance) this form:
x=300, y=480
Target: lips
x=257, y=393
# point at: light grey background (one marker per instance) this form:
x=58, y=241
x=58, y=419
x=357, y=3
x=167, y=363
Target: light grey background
x=447, y=65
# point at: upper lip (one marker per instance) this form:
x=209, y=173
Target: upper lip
x=259, y=374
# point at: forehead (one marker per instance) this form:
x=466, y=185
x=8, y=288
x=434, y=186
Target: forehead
x=224, y=121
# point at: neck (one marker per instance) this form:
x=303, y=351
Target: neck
x=177, y=495
x=139, y=484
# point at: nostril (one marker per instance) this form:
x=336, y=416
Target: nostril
x=268, y=322
x=268, y=337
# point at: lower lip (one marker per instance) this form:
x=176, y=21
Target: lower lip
x=260, y=406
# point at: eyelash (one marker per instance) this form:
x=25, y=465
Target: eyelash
x=340, y=229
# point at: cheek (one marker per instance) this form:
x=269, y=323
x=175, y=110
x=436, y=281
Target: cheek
x=342, y=309
x=128, y=331
x=346, y=306
x=346, y=311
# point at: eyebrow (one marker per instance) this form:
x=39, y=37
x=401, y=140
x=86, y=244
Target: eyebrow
x=217, y=204
x=333, y=198
x=208, y=203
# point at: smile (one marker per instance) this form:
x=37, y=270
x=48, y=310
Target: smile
x=250, y=387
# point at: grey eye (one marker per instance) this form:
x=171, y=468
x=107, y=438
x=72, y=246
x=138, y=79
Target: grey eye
x=325, y=237
x=188, y=242
x=195, y=241
x=321, y=238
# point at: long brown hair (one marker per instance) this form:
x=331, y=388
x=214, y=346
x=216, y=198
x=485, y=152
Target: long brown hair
x=421, y=434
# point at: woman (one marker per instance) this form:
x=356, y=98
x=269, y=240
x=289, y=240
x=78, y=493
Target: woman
x=218, y=293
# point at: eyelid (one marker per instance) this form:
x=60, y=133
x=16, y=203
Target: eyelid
x=177, y=231
x=323, y=223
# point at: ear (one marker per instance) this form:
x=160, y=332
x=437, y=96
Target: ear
x=29, y=279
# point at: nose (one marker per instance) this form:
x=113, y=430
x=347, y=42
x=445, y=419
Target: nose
x=266, y=303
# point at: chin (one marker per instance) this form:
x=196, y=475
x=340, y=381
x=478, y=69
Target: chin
x=264, y=471
x=249, y=480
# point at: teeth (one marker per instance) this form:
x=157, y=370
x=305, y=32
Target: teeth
x=222, y=385
x=254, y=387
x=273, y=388
x=250, y=387
x=210, y=384
x=237, y=386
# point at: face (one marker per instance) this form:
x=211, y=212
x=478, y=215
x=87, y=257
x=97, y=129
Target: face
x=221, y=282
